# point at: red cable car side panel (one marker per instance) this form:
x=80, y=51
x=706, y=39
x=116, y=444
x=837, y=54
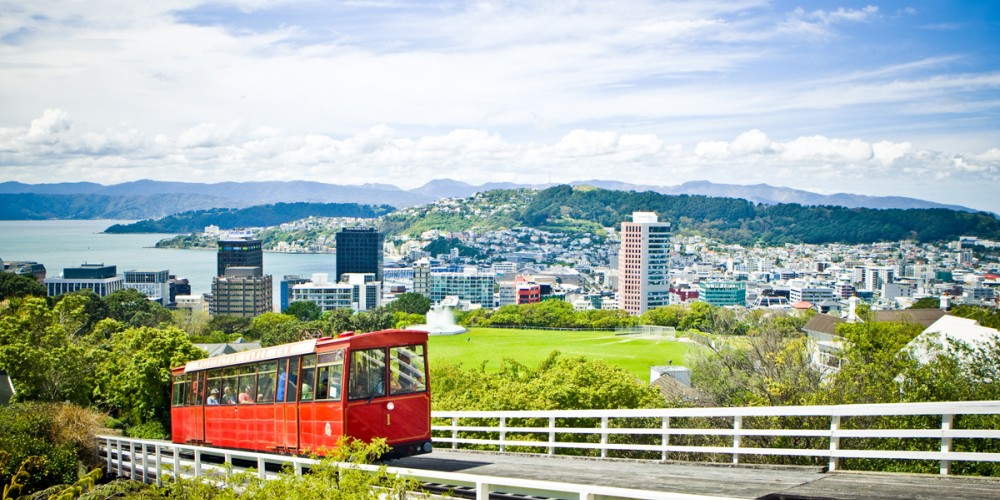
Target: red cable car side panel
x=305, y=396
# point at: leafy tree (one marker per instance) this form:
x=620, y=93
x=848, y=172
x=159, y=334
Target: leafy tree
x=873, y=360
x=985, y=316
x=672, y=315
x=273, y=327
x=371, y=321
x=698, y=317
x=45, y=362
x=772, y=370
x=403, y=320
x=338, y=320
x=227, y=325
x=304, y=310
x=411, y=303
x=133, y=378
x=133, y=308
x=15, y=285
x=80, y=311
x=926, y=303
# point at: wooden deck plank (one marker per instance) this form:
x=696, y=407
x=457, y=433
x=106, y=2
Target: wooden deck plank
x=708, y=479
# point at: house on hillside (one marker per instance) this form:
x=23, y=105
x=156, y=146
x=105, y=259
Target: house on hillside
x=946, y=332
x=826, y=345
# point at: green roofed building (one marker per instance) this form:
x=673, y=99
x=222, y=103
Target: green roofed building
x=723, y=293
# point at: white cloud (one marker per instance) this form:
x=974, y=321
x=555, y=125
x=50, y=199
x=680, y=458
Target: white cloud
x=51, y=123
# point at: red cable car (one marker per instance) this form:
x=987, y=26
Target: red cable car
x=300, y=398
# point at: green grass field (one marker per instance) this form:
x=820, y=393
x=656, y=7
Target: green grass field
x=531, y=347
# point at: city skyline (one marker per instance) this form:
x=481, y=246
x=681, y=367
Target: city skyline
x=885, y=99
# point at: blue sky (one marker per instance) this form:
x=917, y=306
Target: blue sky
x=890, y=98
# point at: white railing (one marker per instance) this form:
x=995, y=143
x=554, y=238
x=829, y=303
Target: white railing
x=607, y=432
x=161, y=461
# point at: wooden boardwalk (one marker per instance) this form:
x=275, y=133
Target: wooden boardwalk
x=709, y=480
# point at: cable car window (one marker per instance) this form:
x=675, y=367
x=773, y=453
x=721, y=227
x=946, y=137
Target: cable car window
x=230, y=386
x=213, y=394
x=180, y=390
x=248, y=384
x=367, y=374
x=330, y=376
x=288, y=380
x=308, y=377
x=407, y=366
x=194, y=389
x=265, y=381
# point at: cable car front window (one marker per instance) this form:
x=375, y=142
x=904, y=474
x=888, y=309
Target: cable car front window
x=367, y=374
x=407, y=366
x=331, y=375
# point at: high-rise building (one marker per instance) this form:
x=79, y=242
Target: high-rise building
x=422, y=277
x=359, y=292
x=471, y=286
x=285, y=289
x=239, y=249
x=242, y=291
x=875, y=278
x=154, y=284
x=359, y=250
x=643, y=263
x=103, y=280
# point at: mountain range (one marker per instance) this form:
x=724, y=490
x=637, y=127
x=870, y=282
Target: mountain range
x=154, y=199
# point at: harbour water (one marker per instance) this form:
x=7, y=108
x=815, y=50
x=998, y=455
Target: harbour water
x=68, y=243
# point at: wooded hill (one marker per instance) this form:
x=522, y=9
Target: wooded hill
x=259, y=216
x=743, y=222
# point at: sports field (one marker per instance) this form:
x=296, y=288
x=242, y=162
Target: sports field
x=530, y=347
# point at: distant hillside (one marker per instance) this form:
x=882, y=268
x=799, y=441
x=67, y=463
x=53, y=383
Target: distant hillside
x=246, y=194
x=30, y=206
x=739, y=221
x=757, y=193
x=260, y=216
x=154, y=199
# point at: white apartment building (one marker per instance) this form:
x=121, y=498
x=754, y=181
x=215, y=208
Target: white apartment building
x=356, y=291
x=811, y=294
x=470, y=285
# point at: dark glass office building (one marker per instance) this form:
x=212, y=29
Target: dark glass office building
x=239, y=252
x=359, y=250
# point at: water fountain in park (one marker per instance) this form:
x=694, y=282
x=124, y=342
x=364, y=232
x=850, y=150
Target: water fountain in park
x=440, y=321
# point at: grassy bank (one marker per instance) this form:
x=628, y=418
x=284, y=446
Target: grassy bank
x=530, y=347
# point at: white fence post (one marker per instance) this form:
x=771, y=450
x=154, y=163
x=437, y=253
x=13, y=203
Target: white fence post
x=503, y=434
x=604, y=437
x=552, y=435
x=177, y=464
x=261, y=468
x=197, y=463
x=666, y=437
x=946, y=421
x=454, y=433
x=482, y=490
x=834, y=442
x=159, y=464
x=145, y=470
x=737, y=436
x=131, y=458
